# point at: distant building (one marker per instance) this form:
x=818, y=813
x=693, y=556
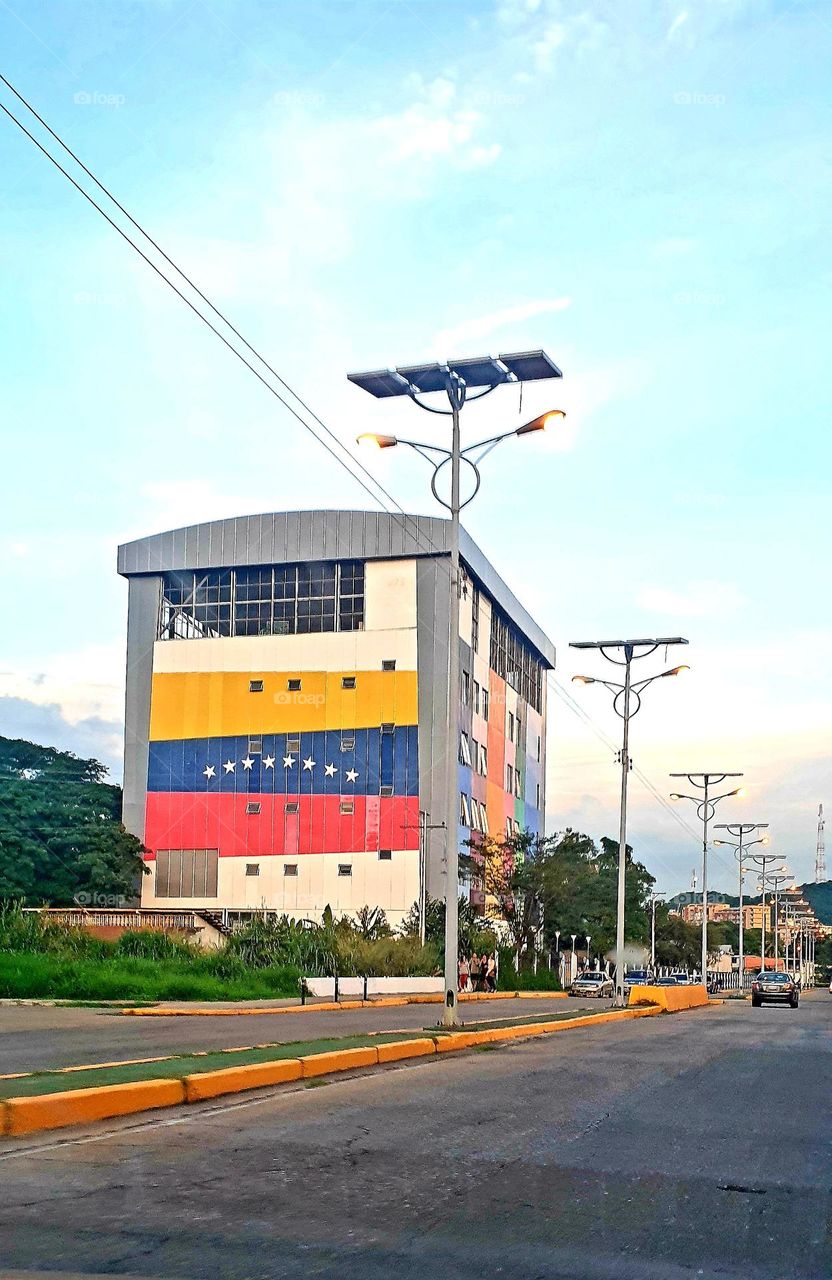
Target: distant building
x=286, y=719
x=718, y=913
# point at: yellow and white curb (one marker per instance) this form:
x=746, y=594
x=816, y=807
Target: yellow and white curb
x=21, y=1116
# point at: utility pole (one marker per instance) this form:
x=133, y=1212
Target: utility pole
x=741, y=830
x=820, y=852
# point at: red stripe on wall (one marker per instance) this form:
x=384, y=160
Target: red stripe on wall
x=185, y=820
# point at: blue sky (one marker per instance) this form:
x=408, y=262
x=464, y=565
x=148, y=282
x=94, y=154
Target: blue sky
x=642, y=189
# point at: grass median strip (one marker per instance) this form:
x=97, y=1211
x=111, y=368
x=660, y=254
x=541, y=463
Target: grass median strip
x=41, y=1100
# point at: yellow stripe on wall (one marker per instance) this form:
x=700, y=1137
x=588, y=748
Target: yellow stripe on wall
x=202, y=704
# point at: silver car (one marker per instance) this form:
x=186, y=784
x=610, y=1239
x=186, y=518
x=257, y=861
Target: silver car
x=592, y=984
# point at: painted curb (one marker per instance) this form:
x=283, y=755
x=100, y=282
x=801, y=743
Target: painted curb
x=20, y=1116
x=321, y=1064
x=80, y=1106
x=400, y=1049
x=213, y=1084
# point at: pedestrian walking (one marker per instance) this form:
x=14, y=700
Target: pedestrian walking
x=474, y=969
x=491, y=974
x=463, y=973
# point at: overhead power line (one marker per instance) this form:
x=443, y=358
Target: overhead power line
x=205, y=320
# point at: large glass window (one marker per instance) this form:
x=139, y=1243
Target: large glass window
x=326, y=595
x=513, y=658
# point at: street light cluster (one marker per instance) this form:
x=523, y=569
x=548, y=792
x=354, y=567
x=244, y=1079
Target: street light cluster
x=484, y=374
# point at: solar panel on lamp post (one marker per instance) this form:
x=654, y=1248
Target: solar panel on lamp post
x=454, y=378
x=623, y=705
x=741, y=830
x=705, y=810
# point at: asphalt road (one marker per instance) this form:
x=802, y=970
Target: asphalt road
x=39, y=1037
x=668, y=1148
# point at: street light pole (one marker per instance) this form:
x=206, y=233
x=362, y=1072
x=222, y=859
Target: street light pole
x=625, y=694
x=776, y=881
x=484, y=374
x=762, y=860
x=456, y=395
x=654, y=898
x=741, y=830
x=705, y=810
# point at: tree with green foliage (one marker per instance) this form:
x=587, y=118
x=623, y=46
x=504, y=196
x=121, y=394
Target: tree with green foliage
x=61, y=836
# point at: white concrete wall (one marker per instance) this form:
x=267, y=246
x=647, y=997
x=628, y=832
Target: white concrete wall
x=393, y=885
x=325, y=987
x=326, y=651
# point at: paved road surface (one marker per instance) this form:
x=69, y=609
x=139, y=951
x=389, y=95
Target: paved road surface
x=677, y=1148
x=37, y=1037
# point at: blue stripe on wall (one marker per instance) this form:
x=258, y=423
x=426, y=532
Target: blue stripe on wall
x=378, y=759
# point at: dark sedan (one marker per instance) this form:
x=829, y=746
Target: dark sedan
x=774, y=988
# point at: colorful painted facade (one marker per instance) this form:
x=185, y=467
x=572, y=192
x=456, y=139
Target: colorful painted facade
x=287, y=711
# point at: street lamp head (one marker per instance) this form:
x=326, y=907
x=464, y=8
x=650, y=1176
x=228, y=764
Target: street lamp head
x=540, y=423
x=740, y=791
x=674, y=795
x=675, y=671
x=370, y=440
x=583, y=680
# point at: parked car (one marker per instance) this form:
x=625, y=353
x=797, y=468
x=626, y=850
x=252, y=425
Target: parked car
x=682, y=979
x=778, y=988
x=593, y=983
x=638, y=978
x=669, y=981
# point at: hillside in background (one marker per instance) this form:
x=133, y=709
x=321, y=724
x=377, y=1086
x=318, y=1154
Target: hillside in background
x=819, y=897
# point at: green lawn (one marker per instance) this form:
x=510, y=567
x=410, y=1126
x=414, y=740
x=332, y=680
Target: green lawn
x=30, y=975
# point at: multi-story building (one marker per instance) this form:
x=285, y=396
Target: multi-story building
x=718, y=913
x=287, y=710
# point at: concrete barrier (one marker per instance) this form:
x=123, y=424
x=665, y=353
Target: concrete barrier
x=81, y=1106
x=671, y=999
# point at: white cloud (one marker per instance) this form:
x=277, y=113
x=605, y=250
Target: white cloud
x=697, y=600
x=673, y=31
x=456, y=337
x=85, y=684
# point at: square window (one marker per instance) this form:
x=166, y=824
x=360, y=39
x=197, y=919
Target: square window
x=345, y=869
x=388, y=727
x=255, y=686
x=385, y=855
x=290, y=868
x=386, y=790
x=389, y=664
x=348, y=682
x=293, y=742
x=347, y=744
x=252, y=868
x=294, y=686
x=347, y=806
x=253, y=806
x=255, y=746
x=292, y=806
